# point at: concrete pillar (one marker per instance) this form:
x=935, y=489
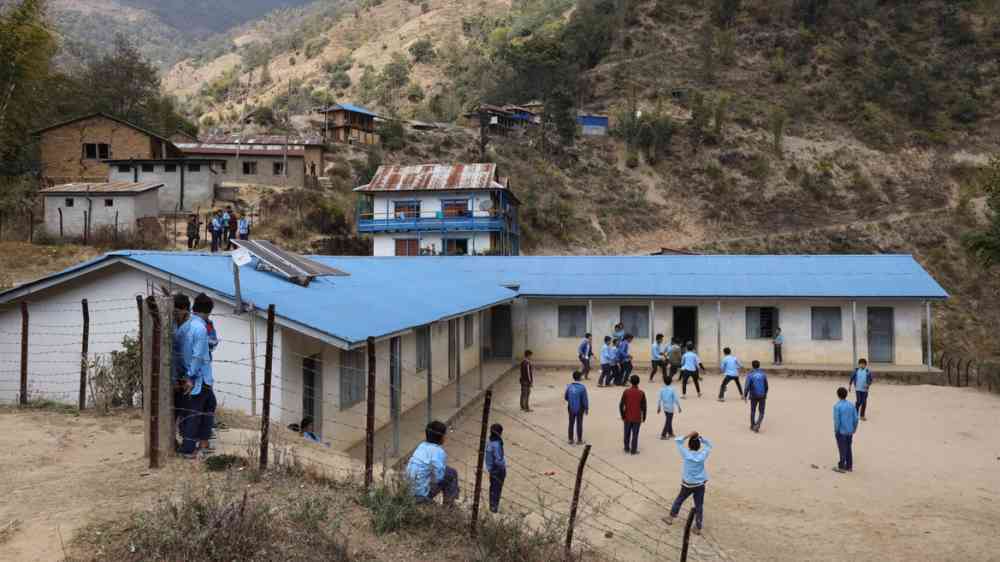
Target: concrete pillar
x=930, y=348
x=652, y=320
x=590, y=316
x=718, y=330
x=854, y=331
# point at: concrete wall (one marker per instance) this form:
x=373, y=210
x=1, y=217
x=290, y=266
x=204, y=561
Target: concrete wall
x=385, y=244
x=430, y=202
x=265, y=171
x=199, y=187
x=129, y=208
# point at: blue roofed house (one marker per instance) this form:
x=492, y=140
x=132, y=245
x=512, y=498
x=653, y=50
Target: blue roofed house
x=454, y=324
x=593, y=125
x=349, y=123
x=432, y=209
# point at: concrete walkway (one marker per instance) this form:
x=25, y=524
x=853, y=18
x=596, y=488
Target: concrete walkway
x=444, y=408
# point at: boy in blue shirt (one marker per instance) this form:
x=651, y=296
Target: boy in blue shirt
x=585, y=352
x=730, y=368
x=667, y=402
x=845, y=423
x=690, y=365
x=694, y=478
x=779, y=341
x=625, y=359
x=658, y=355
x=616, y=362
x=496, y=465
x=428, y=470
x=577, y=405
x=861, y=380
x=607, y=361
x=757, y=393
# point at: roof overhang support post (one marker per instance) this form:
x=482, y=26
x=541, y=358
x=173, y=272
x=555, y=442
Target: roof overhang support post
x=930, y=348
x=479, y=337
x=854, y=332
x=430, y=371
x=652, y=320
x=590, y=316
x=718, y=329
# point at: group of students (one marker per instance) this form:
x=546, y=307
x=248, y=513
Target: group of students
x=195, y=340
x=224, y=227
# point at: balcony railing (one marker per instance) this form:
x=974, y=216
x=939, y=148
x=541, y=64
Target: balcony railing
x=481, y=221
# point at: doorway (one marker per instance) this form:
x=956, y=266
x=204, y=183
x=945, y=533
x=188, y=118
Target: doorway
x=312, y=391
x=454, y=360
x=686, y=324
x=501, y=332
x=881, y=331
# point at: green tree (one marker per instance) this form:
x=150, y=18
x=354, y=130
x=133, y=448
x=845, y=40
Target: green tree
x=985, y=245
x=123, y=83
x=422, y=51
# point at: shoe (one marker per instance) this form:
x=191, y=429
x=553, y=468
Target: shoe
x=864, y=418
x=685, y=397
x=669, y=520
x=571, y=442
x=696, y=531
x=671, y=436
x=840, y=470
x=699, y=395
x=663, y=438
x=722, y=399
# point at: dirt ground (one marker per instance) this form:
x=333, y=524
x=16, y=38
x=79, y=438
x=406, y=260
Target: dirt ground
x=926, y=483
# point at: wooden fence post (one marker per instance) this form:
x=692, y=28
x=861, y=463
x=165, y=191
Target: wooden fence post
x=687, y=535
x=576, y=500
x=24, y=353
x=83, y=354
x=479, y=467
x=265, y=409
x=60, y=223
x=154, y=382
x=142, y=342
x=370, y=417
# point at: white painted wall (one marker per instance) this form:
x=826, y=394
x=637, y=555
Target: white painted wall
x=128, y=208
x=385, y=244
x=430, y=202
x=199, y=187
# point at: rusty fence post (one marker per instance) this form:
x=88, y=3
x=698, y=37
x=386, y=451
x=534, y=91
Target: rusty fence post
x=83, y=354
x=265, y=406
x=24, y=354
x=142, y=341
x=967, y=367
x=947, y=370
x=370, y=416
x=154, y=384
x=479, y=466
x=576, y=501
x=687, y=535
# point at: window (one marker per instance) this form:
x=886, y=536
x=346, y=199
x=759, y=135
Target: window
x=194, y=167
x=249, y=168
x=826, y=323
x=312, y=379
x=222, y=166
x=109, y=202
x=96, y=151
x=170, y=168
x=455, y=207
x=423, y=347
x=762, y=322
x=470, y=330
x=572, y=321
x=635, y=320
x=148, y=168
x=69, y=201
x=456, y=247
x=124, y=168
x=407, y=209
x=352, y=377
x=407, y=247
x=279, y=168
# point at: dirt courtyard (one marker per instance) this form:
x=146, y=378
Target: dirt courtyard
x=926, y=481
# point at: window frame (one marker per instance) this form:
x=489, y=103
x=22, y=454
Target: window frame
x=352, y=390
x=109, y=202
x=252, y=165
x=101, y=151
x=278, y=168
x=170, y=168
x=69, y=202
x=570, y=324
x=455, y=242
x=452, y=202
x=124, y=168
x=411, y=243
x=642, y=330
x=839, y=335
x=397, y=211
x=468, y=331
x=761, y=335
x=194, y=168
x=222, y=167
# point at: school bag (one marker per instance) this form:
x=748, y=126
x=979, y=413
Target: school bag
x=675, y=356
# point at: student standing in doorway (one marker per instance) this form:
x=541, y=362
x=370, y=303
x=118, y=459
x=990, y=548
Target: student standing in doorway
x=667, y=402
x=694, y=478
x=845, y=423
x=585, y=352
x=757, y=389
x=496, y=465
x=690, y=366
x=632, y=408
x=607, y=362
x=861, y=380
x=577, y=405
x=730, y=368
x=527, y=381
x=658, y=355
x=779, y=341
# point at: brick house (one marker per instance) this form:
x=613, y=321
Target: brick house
x=349, y=124
x=77, y=150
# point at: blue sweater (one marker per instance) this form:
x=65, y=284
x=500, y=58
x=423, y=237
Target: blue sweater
x=861, y=379
x=576, y=398
x=494, y=456
x=694, y=473
x=845, y=418
x=757, y=384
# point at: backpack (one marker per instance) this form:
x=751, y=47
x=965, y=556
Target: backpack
x=675, y=356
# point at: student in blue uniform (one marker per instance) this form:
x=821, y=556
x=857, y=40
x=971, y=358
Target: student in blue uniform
x=690, y=365
x=694, y=478
x=667, y=402
x=625, y=359
x=428, y=470
x=757, y=389
x=585, y=352
x=607, y=363
x=496, y=465
x=845, y=423
x=861, y=380
x=658, y=355
x=779, y=342
x=730, y=368
x=616, y=362
x=577, y=406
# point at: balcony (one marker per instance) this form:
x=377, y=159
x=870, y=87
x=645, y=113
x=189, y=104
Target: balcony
x=432, y=222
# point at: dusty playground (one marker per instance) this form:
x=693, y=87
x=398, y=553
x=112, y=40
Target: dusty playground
x=926, y=484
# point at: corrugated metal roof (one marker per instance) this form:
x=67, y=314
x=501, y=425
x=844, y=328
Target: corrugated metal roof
x=116, y=187
x=386, y=295
x=347, y=107
x=434, y=177
x=248, y=149
x=299, y=140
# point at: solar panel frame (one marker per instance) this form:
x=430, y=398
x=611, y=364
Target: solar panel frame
x=296, y=268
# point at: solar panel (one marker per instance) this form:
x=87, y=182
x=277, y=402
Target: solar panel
x=296, y=268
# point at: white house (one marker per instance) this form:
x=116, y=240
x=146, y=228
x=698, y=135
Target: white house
x=437, y=320
x=461, y=209
x=188, y=183
x=117, y=205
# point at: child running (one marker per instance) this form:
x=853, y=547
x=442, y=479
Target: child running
x=861, y=380
x=668, y=401
x=730, y=368
x=693, y=479
x=757, y=393
x=585, y=352
x=690, y=365
x=658, y=354
x=496, y=465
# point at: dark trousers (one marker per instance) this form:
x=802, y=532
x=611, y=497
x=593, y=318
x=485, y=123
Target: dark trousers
x=674, y=369
x=662, y=365
x=190, y=412
x=844, y=447
x=585, y=367
x=616, y=373
x=754, y=404
x=193, y=242
x=632, y=436
x=448, y=486
x=207, y=416
x=725, y=383
x=497, y=476
x=216, y=237
x=862, y=401
x=576, y=420
x=699, y=502
x=525, y=396
x=685, y=375
x=668, y=425
x=777, y=354
x=606, y=373
x=626, y=371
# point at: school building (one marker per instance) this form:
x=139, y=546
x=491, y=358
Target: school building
x=455, y=324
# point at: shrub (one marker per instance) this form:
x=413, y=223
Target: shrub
x=393, y=507
x=513, y=539
x=776, y=124
x=117, y=380
x=422, y=51
x=393, y=135
x=316, y=47
x=759, y=168
x=778, y=66
x=291, y=61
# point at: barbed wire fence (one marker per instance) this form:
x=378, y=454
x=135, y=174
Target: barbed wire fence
x=963, y=371
x=605, y=501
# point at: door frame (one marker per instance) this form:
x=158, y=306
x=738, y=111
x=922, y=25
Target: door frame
x=892, y=333
x=673, y=322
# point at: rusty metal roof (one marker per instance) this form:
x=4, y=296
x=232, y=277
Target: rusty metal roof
x=224, y=149
x=233, y=138
x=435, y=177
x=107, y=188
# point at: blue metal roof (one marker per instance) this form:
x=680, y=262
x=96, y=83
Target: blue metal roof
x=592, y=120
x=356, y=109
x=386, y=295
